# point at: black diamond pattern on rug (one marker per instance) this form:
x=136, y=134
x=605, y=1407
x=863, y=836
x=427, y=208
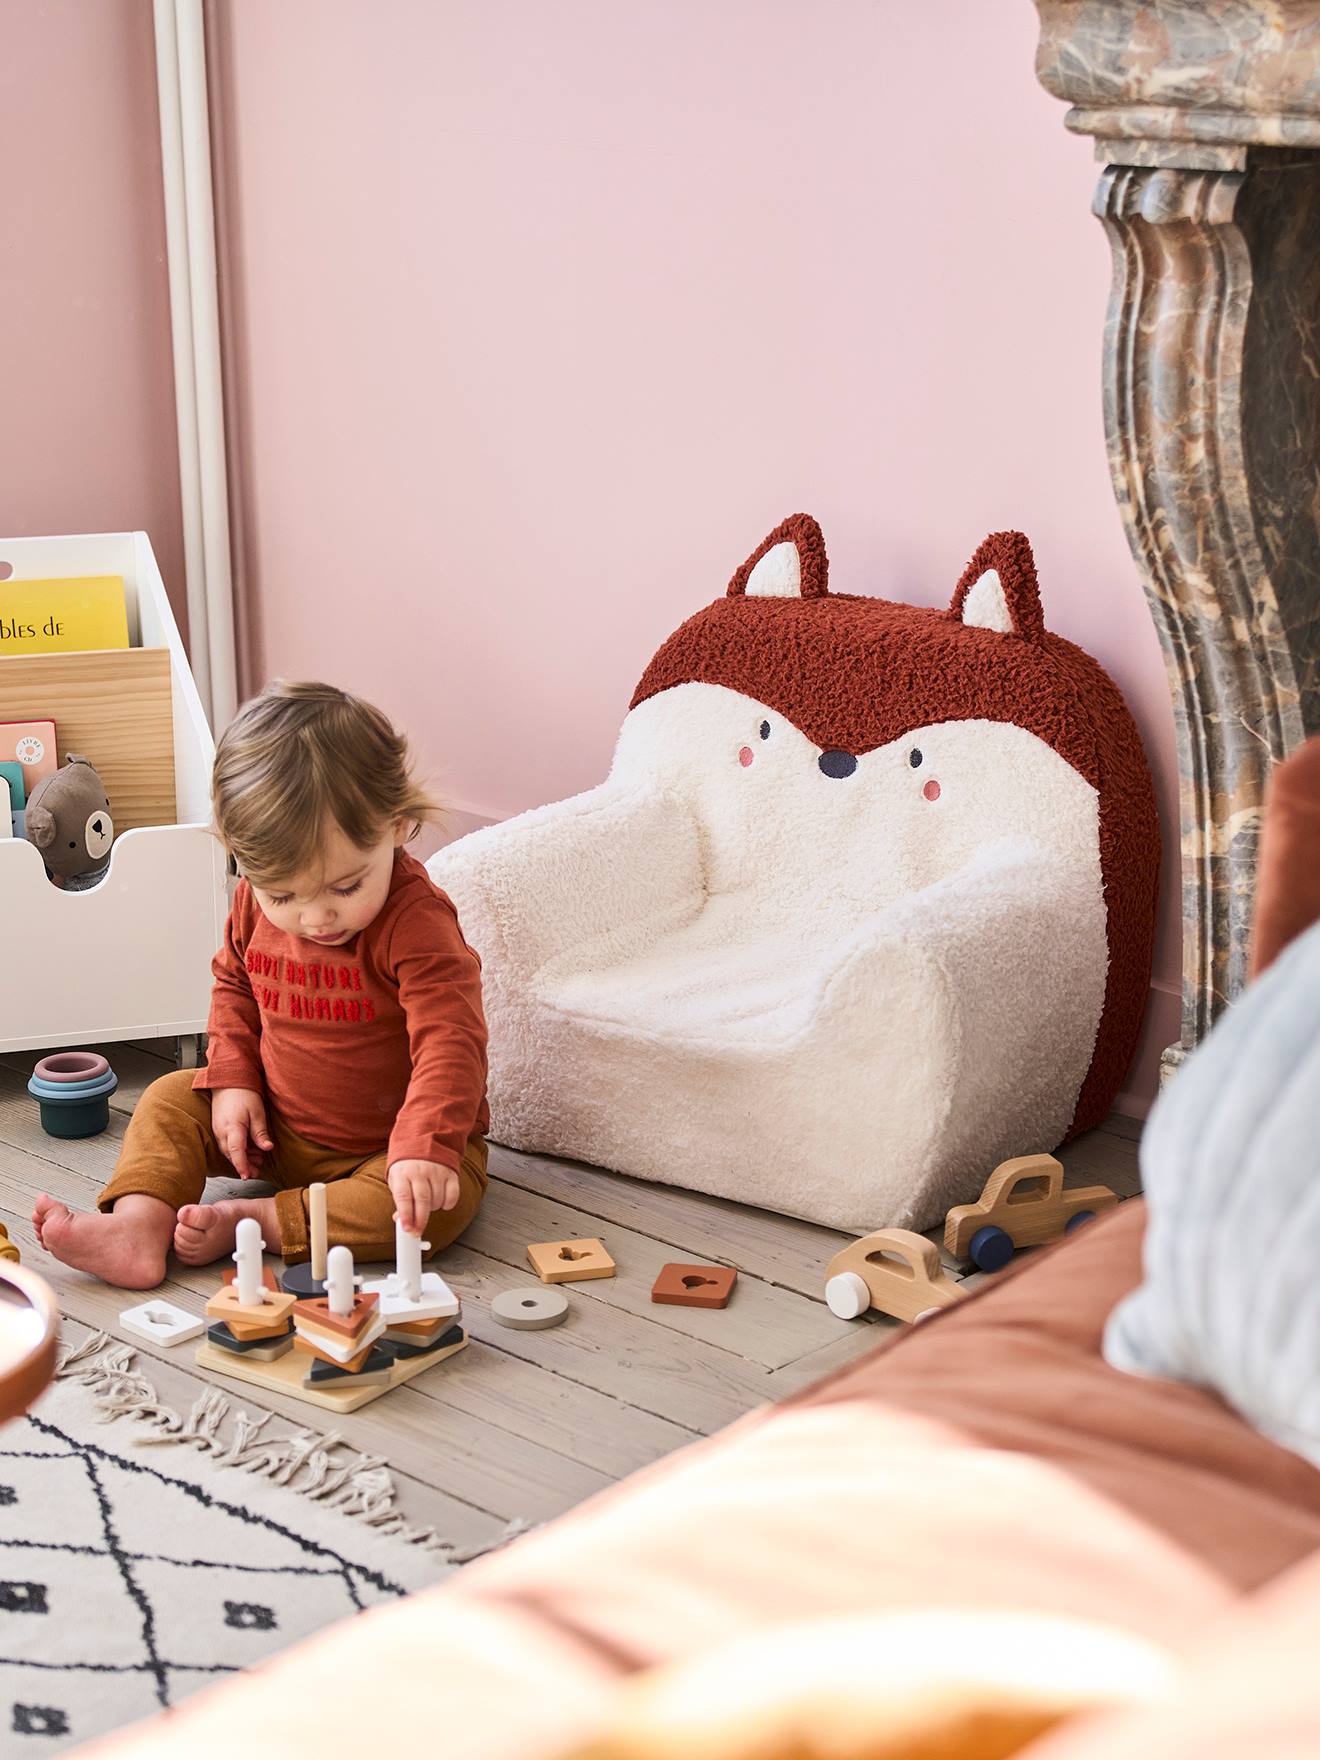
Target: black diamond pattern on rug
x=123, y=1589
x=39, y=1720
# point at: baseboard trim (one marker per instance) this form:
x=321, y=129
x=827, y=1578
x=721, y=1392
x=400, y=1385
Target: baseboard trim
x=457, y=819
x=1161, y=1027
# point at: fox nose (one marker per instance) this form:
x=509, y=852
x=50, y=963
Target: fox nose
x=837, y=763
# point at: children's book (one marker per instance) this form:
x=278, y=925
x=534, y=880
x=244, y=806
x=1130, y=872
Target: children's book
x=31, y=744
x=13, y=818
x=62, y=616
x=14, y=775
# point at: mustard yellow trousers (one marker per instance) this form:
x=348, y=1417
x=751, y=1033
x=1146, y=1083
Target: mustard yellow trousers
x=170, y=1151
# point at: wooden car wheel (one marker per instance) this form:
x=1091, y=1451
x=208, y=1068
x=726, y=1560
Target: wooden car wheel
x=990, y=1248
x=847, y=1296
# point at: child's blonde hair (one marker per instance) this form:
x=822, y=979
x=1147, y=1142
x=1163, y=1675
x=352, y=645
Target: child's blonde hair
x=298, y=755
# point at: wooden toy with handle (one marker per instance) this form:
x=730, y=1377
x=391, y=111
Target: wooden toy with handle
x=1024, y=1204
x=893, y=1270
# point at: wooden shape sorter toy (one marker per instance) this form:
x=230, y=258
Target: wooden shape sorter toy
x=570, y=1261
x=339, y=1350
x=694, y=1286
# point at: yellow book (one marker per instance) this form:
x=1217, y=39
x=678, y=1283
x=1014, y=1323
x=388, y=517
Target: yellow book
x=62, y=617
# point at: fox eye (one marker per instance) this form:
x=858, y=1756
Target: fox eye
x=914, y=757
x=765, y=730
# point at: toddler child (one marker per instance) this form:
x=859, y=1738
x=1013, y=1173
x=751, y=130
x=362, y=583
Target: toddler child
x=346, y=1037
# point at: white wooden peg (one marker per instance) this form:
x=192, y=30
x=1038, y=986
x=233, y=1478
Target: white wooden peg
x=248, y=1246
x=316, y=1214
x=339, y=1280
x=408, y=1250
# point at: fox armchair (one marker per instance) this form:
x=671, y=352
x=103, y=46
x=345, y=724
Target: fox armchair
x=864, y=906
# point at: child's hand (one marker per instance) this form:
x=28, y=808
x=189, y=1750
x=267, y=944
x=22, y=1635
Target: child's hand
x=418, y=1188
x=238, y=1121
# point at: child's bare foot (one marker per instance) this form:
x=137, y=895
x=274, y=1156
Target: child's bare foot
x=205, y=1232
x=115, y=1247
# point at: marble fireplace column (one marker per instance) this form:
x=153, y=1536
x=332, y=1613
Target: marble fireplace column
x=1207, y=125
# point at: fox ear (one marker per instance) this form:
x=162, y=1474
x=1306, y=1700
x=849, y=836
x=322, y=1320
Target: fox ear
x=789, y=564
x=998, y=589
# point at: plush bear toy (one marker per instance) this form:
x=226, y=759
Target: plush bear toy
x=68, y=819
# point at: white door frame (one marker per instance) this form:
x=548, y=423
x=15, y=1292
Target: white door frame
x=185, y=140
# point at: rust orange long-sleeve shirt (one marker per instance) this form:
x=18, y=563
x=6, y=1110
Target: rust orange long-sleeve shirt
x=378, y=1043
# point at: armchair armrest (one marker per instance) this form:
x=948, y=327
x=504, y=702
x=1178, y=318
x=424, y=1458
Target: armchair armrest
x=976, y=1002
x=609, y=863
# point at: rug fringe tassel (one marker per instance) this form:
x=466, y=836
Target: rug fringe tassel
x=313, y=1464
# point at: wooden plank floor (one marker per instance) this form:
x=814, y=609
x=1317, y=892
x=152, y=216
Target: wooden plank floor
x=523, y=1424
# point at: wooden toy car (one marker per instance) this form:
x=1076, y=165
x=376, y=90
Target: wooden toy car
x=1024, y=1204
x=893, y=1270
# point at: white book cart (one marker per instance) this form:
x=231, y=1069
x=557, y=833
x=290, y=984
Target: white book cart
x=130, y=958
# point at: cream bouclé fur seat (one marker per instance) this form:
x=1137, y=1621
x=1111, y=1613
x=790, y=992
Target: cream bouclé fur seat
x=864, y=906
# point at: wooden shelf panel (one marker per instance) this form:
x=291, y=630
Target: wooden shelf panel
x=112, y=707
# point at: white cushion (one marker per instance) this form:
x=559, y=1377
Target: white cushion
x=1231, y=1167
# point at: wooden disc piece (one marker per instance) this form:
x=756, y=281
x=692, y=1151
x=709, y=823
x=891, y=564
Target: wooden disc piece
x=530, y=1310
x=298, y=1281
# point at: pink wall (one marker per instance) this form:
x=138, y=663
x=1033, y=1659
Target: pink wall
x=543, y=315
x=87, y=436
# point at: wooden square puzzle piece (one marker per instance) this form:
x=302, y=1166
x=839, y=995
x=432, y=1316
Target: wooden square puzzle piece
x=246, y=1334
x=570, y=1261
x=162, y=1322
x=694, y=1286
x=253, y=1330
x=436, y=1301
x=405, y=1352
x=373, y=1365
x=263, y=1318
x=419, y=1332
x=268, y=1278
x=262, y=1350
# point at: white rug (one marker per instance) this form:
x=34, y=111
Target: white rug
x=145, y=1554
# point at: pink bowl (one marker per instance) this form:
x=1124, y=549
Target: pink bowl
x=71, y=1066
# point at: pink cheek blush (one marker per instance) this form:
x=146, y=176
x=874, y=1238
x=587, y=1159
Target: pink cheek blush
x=745, y=756
x=932, y=790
